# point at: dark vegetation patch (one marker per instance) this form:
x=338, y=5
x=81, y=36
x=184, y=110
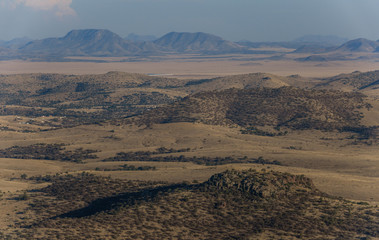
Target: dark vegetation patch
x=259, y=132
x=127, y=167
x=88, y=187
x=48, y=152
x=147, y=156
x=5, y=128
x=153, y=98
x=198, y=82
x=161, y=150
x=364, y=132
x=230, y=205
x=71, y=118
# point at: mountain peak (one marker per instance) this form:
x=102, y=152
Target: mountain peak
x=196, y=42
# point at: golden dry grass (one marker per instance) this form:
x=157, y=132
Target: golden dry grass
x=336, y=166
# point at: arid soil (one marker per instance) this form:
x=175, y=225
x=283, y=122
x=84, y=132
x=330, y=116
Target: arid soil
x=102, y=141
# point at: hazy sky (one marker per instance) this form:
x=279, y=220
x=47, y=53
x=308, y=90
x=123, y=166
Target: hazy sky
x=255, y=20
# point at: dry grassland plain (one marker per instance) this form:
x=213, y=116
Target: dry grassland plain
x=337, y=166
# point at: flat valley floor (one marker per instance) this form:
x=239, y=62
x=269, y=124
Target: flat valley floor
x=193, y=67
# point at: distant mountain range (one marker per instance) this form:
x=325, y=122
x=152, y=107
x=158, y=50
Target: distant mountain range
x=104, y=43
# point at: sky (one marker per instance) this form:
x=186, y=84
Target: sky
x=254, y=20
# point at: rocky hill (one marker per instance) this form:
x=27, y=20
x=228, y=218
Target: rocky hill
x=285, y=106
x=230, y=205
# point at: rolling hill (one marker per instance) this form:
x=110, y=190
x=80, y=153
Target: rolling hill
x=281, y=107
x=84, y=98
x=242, y=81
x=255, y=99
x=359, y=45
x=356, y=81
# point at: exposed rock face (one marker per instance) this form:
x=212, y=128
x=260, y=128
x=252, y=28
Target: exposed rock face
x=259, y=184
